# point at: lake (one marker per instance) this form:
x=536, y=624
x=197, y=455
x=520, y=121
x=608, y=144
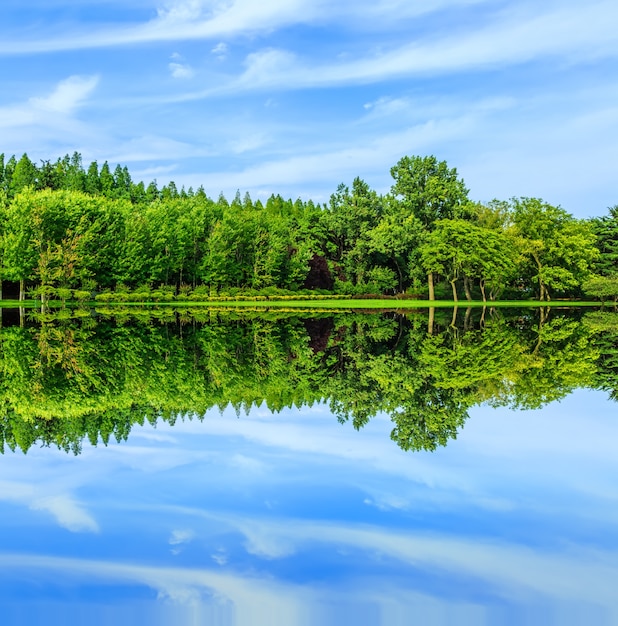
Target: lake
x=277, y=468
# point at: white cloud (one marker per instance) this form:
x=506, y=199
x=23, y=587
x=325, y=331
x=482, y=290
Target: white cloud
x=64, y=100
x=68, y=95
x=260, y=541
x=182, y=20
x=248, y=142
x=267, y=67
x=402, y=9
x=252, y=600
x=246, y=463
x=510, y=570
x=180, y=11
x=220, y=50
x=329, y=167
x=220, y=557
x=507, y=569
x=514, y=37
x=179, y=537
x=570, y=30
x=68, y=513
x=385, y=107
x=387, y=502
x=181, y=70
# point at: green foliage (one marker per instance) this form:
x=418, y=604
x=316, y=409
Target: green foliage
x=602, y=287
x=429, y=190
x=560, y=249
x=65, y=378
x=606, y=231
x=460, y=249
x=62, y=224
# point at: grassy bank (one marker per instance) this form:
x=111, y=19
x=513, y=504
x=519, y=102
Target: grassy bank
x=349, y=304
x=338, y=304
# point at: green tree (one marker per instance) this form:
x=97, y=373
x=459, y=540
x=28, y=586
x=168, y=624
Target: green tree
x=92, y=183
x=106, y=181
x=349, y=219
x=397, y=237
x=606, y=231
x=459, y=249
x=24, y=175
x=428, y=190
x=560, y=250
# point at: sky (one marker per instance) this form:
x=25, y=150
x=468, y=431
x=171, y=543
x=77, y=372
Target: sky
x=294, y=97
x=292, y=519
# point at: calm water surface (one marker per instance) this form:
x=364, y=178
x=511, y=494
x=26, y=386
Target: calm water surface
x=286, y=517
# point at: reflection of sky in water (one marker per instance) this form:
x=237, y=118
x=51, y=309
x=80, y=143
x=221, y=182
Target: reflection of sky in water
x=295, y=519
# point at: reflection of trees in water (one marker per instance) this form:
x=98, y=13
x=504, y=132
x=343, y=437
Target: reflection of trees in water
x=64, y=381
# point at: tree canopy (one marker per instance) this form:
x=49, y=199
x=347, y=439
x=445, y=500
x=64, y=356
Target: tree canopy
x=66, y=378
x=66, y=226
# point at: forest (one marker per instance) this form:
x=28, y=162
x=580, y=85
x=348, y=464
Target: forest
x=67, y=379
x=70, y=232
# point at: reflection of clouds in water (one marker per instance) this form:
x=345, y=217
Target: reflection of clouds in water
x=181, y=536
x=68, y=513
x=533, y=585
x=501, y=570
x=386, y=502
x=493, y=449
x=249, y=600
x=494, y=470
x=179, y=539
x=511, y=570
x=66, y=510
x=220, y=556
x=246, y=463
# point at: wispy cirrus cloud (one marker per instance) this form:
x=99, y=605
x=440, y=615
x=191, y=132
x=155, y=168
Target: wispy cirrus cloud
x=220, y=51
x=67, y=96
x=179, y=69
x=68, y=513
x=64, y=508
x=180, y=20
x=254, y=601
x=51, y=123
x=509, y=39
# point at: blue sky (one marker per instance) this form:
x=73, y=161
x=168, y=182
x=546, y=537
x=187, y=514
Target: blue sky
x=296, y=96
x=293, y=519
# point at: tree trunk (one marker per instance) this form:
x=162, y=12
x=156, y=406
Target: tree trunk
x=467, y=318
x=454, y=319
x=454, y=287
x=482, y=286
x=400, y=275
x=542, y=289
x=547, y=296
x=467, y=288
x=22, y=290
x=544, y=292
x=432, y=312
x=432, y=295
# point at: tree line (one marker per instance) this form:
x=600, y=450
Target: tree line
x=68, y=230
x=63, y=381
